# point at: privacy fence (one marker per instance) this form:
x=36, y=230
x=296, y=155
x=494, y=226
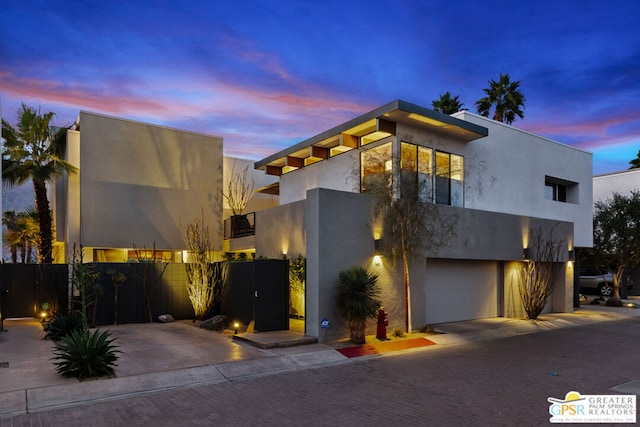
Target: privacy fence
x=24, y=288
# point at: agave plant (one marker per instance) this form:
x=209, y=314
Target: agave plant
x=61, y=325
x=357, y=300
x=83, y=354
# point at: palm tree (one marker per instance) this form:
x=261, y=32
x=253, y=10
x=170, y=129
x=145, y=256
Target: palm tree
x=446, y=104
x=34, y=151
x=357, y=300
x=12, y=236
x=635, y=163
x=506, y=97
x=22, y=233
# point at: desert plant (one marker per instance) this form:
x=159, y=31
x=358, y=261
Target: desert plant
x=147, y=274
x=539, y=275
x=205, y=276
x=61, y=325
x=357, y=300
x=239, y=190
x=85, y=354
x=84, y=279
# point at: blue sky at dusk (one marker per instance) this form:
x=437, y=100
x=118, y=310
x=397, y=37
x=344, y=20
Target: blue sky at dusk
x=267, y=74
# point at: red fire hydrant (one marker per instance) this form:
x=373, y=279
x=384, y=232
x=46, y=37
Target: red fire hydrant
x=382, y=324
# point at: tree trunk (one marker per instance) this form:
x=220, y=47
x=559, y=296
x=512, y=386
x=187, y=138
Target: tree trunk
x=357, y=331
x=44, y=218
x=407, y=292
x=115, y=304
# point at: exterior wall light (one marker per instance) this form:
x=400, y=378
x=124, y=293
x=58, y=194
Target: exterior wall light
x=525, y=254
x=572, y=256
x=378, y=247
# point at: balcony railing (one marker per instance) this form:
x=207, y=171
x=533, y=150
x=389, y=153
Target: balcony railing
x=240, y=226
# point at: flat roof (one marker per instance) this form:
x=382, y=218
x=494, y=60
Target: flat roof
x=367, y=128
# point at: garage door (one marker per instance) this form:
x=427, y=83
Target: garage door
x=460, y=290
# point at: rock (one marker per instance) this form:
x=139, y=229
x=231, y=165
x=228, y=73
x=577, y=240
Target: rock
x=614, y=302
x=166, y=318
x=216, y=323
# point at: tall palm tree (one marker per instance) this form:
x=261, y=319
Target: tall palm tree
x=357, y=300
x=33, y=150
x=446, y=104
x=505, y=96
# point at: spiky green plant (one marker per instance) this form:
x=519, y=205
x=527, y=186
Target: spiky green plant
x=84, y=354
x=357, y=300
x=61, y=325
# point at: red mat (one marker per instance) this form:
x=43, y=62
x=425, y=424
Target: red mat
x=384, y=347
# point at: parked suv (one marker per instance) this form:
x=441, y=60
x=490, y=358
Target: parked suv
x=592, y=280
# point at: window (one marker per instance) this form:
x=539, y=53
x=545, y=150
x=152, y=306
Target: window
x=416, y=172
x=449, y=179
x=376, y=166
x=560, y=190
x=432, y=177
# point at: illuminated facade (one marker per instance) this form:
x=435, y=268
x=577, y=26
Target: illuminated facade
x=494, y=181
x=137, y=183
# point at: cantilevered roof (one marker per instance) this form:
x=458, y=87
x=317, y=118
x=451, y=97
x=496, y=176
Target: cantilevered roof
x=367, y=128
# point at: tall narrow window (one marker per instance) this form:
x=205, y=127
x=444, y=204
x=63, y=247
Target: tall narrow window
x=416, y=172
x=425, y=174
x=449, y=179
x=457, y=180
x=443, y=174
x=408, y=166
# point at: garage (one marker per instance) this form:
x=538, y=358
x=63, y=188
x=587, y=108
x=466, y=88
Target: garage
x=460, y=290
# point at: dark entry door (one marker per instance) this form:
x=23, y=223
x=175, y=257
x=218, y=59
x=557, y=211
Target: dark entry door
x=271, y=295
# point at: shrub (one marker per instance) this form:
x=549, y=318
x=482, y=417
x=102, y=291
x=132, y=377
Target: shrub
x=397, y=332
x=61, y=325
x=357, y=300
x=83, y=354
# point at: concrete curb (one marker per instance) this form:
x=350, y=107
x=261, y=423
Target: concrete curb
x=45, y=398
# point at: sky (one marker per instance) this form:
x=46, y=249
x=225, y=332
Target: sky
x=267, y=74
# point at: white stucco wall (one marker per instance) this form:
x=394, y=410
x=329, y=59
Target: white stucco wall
x=140, y=182
x=337, y=173
x=621, y=182
x=506, y=173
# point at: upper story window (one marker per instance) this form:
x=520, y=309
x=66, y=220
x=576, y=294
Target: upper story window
x=560, y=190
x=416, y=172
x=376, y=167
x=429, y=175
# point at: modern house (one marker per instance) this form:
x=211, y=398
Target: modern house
x=623, y=182
x=493, y=182
x=137, y=184
x=490, y=183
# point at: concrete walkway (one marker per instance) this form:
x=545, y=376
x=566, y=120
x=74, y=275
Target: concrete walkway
x=159, y=356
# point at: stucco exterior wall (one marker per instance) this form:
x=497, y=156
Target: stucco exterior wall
x=339, y=236
x=621, y=182
x=338, y=173
x=281, y=230
x=506, y=171
x=339, y=233
x=139, y=182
